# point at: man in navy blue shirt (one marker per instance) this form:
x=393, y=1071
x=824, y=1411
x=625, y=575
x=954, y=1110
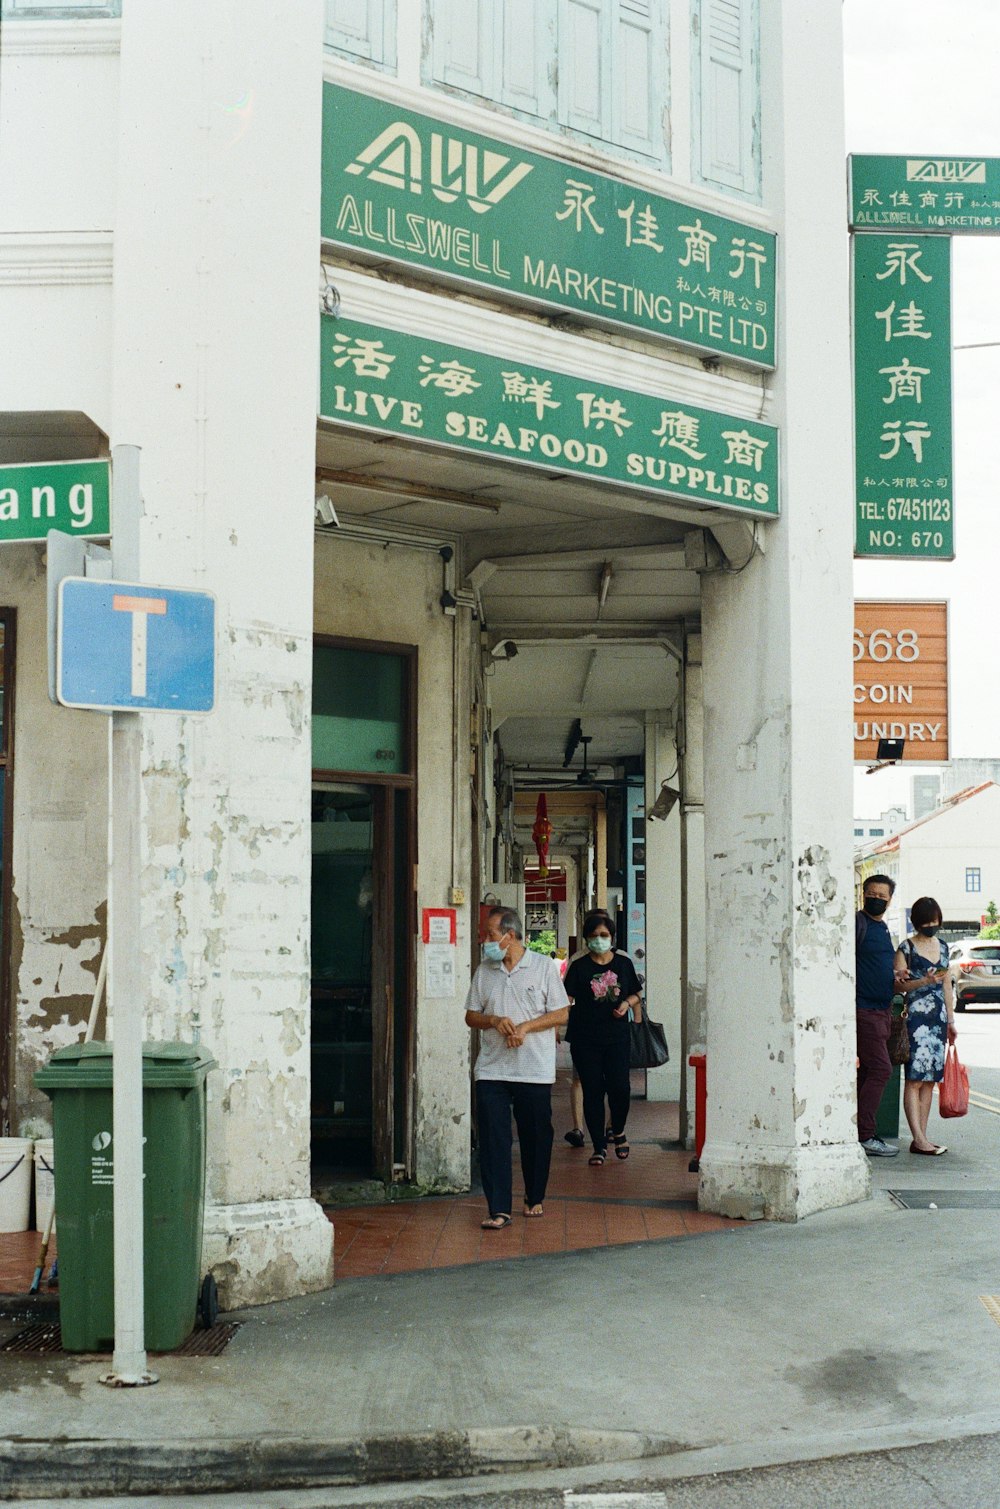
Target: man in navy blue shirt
x=874, y=956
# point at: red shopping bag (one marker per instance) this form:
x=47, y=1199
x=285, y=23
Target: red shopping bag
x=953, y=1091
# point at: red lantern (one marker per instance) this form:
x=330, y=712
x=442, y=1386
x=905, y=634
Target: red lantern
x=541, y=833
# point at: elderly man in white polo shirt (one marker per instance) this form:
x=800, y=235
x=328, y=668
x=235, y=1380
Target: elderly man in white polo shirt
x=517, y=1001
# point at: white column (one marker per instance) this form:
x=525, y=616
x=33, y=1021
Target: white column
x=694, y=1016
x=781, y=1093
x=663, y=906
x=214, y=377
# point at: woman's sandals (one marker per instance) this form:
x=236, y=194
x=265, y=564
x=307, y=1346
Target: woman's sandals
x=532, y=1212
x=596, y=1160
x=621, y=1147
x=495, y=1223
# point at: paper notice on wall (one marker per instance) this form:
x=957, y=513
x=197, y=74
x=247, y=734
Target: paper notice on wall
x=439, y=969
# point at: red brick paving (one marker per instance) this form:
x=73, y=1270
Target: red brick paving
x=584, y=1208
x=19, y=1252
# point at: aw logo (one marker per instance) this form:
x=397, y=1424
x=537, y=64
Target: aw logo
x=945, y=170
x=455, y=169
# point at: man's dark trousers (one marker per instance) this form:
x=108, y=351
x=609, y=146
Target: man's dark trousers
x=532, y=1107
x=874, y=1066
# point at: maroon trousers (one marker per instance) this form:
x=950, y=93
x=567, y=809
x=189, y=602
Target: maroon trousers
x=874, y=1066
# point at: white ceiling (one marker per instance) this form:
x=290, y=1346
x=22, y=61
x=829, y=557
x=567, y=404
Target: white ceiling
x=540, y=551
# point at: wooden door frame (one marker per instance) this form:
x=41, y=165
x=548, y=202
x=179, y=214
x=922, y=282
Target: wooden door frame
x=383, y=787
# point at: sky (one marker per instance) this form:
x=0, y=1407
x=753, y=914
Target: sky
x=921, y=80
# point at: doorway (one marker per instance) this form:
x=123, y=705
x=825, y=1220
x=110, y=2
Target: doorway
x=363, y=912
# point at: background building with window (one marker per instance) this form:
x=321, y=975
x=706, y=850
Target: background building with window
x=952, y=854
x=437, y=599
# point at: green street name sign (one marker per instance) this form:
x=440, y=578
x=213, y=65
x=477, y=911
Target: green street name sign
x=902, y=397
x=374, y=378
x=474, y=209
x=74, y=496
x=930, y=194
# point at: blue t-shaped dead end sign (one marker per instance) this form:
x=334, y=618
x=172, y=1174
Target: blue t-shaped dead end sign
x=123, y=647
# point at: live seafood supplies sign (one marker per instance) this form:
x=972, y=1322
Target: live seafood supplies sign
x=379, y=379
x=933, y=195
x=472, y=208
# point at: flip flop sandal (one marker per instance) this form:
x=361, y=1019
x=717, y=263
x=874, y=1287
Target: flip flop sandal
x=622, y=1149
x=533, y=1212
x=596, y=1160
x=495, y=1223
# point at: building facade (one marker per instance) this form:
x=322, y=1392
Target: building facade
x=952, y=854
x=489, y=362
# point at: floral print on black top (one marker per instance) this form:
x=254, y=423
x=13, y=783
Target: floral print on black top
x=927, y=1016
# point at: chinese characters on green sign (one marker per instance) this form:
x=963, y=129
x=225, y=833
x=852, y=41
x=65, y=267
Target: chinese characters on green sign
x=380, y=379
x=902, y=396
x=934, y=195
x=404, y=186
x=74, y=496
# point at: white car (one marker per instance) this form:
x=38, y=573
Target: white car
x=975, y=972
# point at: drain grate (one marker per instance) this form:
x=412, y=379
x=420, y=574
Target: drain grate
x=947, y=1199
x=210, y=1343
x=38, y=1340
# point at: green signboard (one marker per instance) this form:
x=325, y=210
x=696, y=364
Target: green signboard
x=379, y=379
x=902, y=396
x=74, y=496
x=471, y=208
x=929, y=194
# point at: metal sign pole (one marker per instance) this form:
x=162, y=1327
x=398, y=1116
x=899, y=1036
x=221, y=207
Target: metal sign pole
x=129, y=1365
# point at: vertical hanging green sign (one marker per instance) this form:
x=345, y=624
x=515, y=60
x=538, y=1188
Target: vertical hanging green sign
x=902, y=397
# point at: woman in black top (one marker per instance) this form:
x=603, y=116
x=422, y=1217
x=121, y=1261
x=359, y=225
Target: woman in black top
x=602, y=986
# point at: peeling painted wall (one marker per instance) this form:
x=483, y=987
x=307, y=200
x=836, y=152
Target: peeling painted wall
x=59, y=854
x=391, y=593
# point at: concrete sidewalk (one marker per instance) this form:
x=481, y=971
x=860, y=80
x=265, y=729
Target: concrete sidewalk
x=856, y=1330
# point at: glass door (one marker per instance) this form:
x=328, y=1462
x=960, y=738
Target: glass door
x=343, y=848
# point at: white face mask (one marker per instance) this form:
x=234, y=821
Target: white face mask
x=599, y=944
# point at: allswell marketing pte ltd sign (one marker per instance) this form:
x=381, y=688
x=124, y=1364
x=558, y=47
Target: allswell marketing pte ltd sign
x=403, y=186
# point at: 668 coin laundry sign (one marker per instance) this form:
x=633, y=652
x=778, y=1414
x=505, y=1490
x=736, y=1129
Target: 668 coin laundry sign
x=901, y=679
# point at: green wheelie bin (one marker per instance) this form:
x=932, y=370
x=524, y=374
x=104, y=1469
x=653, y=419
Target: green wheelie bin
x=78, y=1080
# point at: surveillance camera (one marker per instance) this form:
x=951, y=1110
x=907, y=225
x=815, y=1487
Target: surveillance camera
x=326, y=514
x=506, y=650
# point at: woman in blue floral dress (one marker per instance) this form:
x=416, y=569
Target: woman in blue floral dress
x=923, y=976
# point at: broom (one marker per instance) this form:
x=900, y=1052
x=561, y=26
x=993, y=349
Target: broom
x=88, y=1037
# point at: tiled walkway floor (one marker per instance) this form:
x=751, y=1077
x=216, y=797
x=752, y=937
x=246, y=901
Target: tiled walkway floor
x=649, y=1197
x=19, y=1258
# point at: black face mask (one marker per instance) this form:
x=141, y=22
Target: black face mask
x=875, y=905
x=930, y=932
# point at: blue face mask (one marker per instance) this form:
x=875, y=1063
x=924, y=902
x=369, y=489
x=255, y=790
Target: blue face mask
x=599, y=945
x=493, y=952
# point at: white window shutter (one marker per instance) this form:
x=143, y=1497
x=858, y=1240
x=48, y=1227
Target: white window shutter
x=525, y=42
x=462, y=45
x=363, y=28
x=639, y=46
x=730, y=92
x=584, y=67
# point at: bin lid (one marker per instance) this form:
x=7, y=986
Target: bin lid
x=166, y=1066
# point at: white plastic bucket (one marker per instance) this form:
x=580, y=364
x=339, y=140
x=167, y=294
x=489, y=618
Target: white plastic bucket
x=15, y=1182
x=45, y=1182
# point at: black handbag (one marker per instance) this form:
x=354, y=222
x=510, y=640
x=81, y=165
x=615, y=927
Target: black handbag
x=648, y=1044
